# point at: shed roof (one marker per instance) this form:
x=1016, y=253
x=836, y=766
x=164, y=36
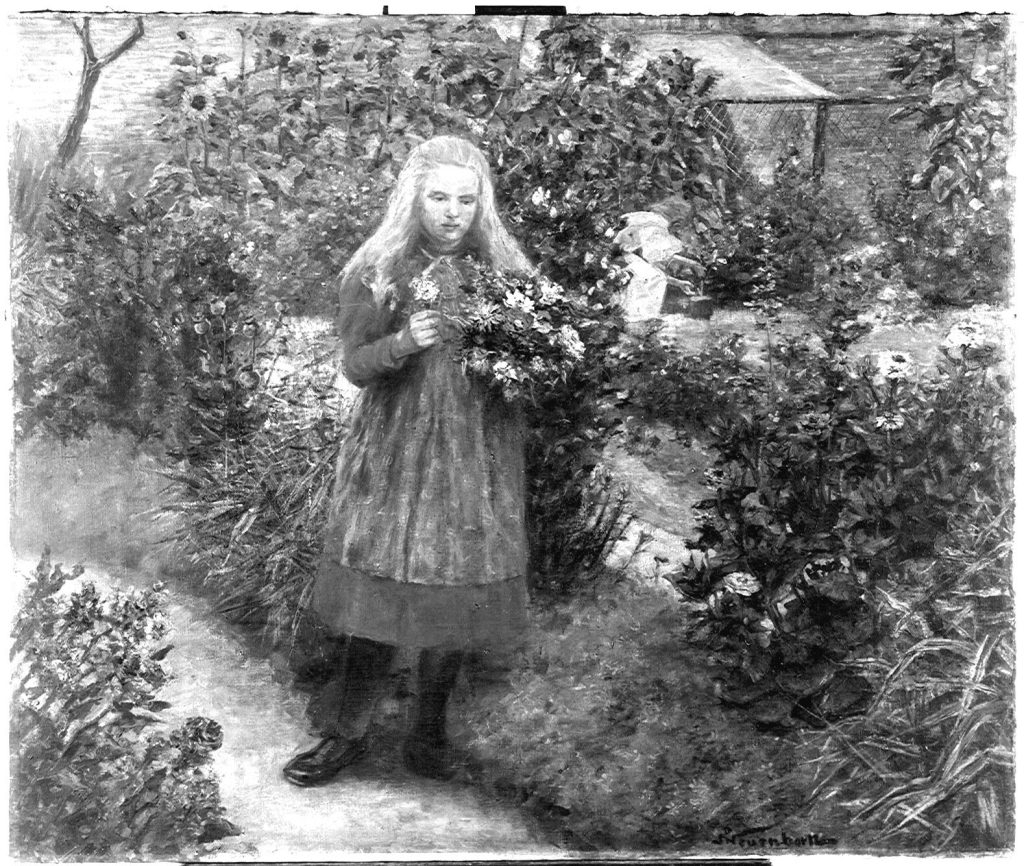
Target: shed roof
x=743, y=70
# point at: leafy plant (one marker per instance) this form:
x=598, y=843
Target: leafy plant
x=93, y=774
x=822, y=494
x=930, y=763
x=781, y=232
x=252, y=519
x=948, y=221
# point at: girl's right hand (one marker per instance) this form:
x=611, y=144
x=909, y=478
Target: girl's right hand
x=422, y=331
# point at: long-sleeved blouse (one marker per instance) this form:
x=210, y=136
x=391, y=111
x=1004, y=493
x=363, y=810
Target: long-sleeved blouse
x=426, y=541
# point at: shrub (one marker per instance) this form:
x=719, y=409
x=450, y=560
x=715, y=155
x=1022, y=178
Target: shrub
x=253, y=515
x=948, y=221
x=930, y=766
x=785, y=230
x=93, y=774
x=836, y=477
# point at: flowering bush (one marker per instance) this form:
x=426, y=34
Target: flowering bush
x=825, y=489
x=93, y=776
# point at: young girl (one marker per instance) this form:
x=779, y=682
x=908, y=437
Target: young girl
x=426, y=545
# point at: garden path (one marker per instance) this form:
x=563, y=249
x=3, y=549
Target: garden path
x=216, y=674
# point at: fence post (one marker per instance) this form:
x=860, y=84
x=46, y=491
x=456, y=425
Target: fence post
x=818, y=158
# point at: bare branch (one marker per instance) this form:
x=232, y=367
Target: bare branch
x=83, y=34
x=134, y=37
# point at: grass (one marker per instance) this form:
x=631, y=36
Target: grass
x=607, y=727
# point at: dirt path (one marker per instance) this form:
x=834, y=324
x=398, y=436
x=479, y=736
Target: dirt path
x=216, y=674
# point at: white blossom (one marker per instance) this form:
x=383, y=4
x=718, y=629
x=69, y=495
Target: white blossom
x=894, y=366
x=425, y=289
x=540, y=197
x=516, y=300
x=550, y=293
x=741, y=583
x=571, y=342
x=890, y=422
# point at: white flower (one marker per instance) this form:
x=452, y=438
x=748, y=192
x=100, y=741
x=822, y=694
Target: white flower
x=571, y=342
x=553, y=213
x=425, y=289
x=609, y=232
x=550, y=293
x=962, y=335
x=894, y=366
x=741, y=583
x=890, y=422
x=477, y=361
x=487, y=316
x=540, y=197
x=663, y=87
x=565, y=139
x=504, y=371
x=537, y=366
x=516, y=300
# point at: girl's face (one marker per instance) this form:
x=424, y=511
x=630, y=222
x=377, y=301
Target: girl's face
x=448, y=204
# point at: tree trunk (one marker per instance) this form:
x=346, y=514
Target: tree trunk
x=92, y=66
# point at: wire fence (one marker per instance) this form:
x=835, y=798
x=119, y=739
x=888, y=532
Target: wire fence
x=849, y=143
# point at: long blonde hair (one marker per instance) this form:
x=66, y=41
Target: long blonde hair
x=399, y=231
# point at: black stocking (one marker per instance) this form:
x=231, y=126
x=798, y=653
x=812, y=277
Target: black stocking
x=344, y=705
x=438, y=671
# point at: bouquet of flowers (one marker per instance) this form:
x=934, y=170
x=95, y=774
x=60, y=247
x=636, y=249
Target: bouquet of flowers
x=517, y=332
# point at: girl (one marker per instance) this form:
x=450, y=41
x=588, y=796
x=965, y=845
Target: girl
x=426, y=545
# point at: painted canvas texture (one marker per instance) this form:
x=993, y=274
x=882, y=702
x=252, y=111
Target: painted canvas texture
x=510, y=435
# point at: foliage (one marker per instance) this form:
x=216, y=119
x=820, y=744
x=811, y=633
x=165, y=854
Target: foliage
x=272, y=178
x=114, y=323
x=949, y=219
x=930, y=763
x=93, y=775
x=784, y=230
x=642, y=756
x=253, y=518
x=839, y=474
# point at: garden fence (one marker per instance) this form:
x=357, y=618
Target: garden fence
x=849, y=141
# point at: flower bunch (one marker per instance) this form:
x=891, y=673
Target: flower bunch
x=518, y=332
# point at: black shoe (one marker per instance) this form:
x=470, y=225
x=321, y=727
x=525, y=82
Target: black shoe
x=322, y=763
x=430, y=756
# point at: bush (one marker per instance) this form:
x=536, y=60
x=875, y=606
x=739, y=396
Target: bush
x=930, y=764
x=253, y=514
x=830, y=482
x=948, y=221
x=93, y=775
x=786, y=230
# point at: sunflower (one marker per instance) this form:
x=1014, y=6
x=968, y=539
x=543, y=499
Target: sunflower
x=197, y=102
